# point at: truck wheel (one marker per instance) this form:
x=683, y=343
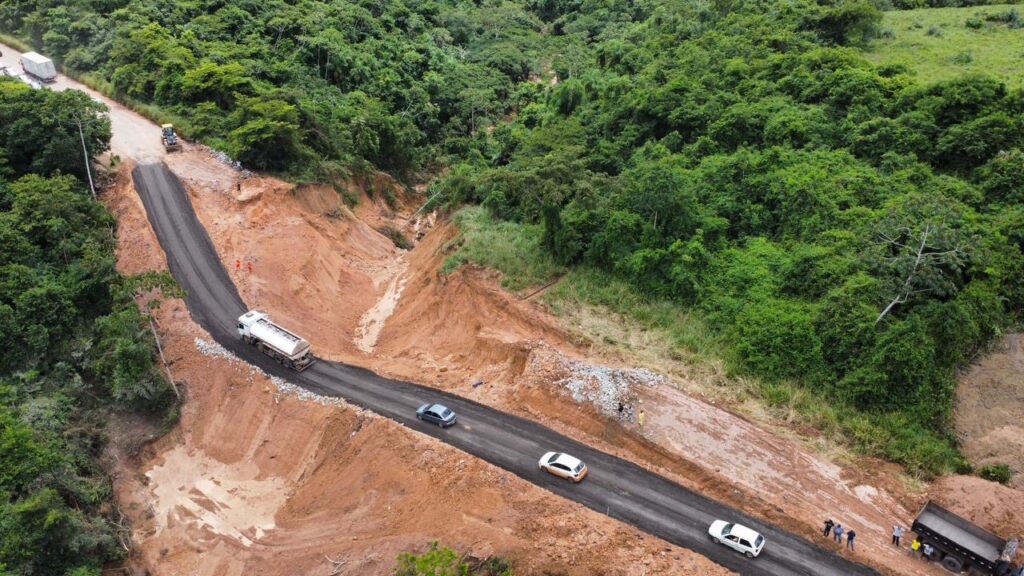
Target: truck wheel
x=953, y=564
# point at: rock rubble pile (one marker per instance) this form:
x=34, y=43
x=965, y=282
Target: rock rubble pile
x=603, y=386
x=283, y=387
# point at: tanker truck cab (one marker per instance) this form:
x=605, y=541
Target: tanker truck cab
x=288, y=349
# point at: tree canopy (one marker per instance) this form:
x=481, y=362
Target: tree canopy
x=841, y=225
x=73, y=344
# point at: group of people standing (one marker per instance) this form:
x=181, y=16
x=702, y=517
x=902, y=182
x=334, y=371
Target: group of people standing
x=837, y=532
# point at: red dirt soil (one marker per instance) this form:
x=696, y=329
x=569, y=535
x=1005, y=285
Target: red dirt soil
x=254, y=480
x=989, y=413
x=326, y=271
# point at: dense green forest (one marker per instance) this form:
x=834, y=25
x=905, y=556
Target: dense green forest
x=73, y=344
x=315, y=88
x=851, y=229
x=848, y=227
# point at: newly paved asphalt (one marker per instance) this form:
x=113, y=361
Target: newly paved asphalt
x=615, y=487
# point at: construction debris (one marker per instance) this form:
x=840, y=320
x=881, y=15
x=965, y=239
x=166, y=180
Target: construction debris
x=604, y=387
x=283, y=387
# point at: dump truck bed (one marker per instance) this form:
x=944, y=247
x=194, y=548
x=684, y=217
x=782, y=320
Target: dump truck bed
x=961, y=533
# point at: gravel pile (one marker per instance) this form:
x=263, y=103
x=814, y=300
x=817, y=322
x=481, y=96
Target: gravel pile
x=606, y=387
x=221, y=157
x=284, y=387
x=207, y=348
x=226, y=160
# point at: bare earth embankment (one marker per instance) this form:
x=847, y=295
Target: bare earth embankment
x=260, y=479
x=321, y=266
x=990, y=409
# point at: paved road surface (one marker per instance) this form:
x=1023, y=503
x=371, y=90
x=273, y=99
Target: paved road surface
x=614, y=487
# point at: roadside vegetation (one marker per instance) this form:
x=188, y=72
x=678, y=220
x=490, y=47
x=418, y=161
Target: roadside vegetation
x=443, y=561
x=512, y=248
x=941, y=44
x=315, y=88
x=74, y=347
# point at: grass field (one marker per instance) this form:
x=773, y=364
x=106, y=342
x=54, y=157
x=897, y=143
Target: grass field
x=510, y=248
x=945, y=43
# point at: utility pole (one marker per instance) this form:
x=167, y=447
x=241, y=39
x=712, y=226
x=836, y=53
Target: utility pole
x=85, y=156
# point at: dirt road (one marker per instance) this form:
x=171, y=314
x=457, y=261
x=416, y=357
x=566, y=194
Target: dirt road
x=132, y=135
x=615, y=487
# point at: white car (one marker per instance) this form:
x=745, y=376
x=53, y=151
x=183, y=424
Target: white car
x=564, y=466
x=737, y=537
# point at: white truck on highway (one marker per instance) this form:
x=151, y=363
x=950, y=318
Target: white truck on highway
x=38, y=66
x=257, y=329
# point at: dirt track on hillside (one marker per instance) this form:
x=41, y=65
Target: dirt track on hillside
x=133, y=137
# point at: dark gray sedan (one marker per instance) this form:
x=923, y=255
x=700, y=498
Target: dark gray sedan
x=437, y=414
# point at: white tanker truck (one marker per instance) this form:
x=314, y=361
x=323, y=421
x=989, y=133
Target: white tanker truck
x=257, y=329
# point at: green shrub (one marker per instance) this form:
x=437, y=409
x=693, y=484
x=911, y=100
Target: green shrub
x=1009, y=17
x=962, y=58
x=437, y=561
x=512, y=249
x=996, y=473
x=442, y=561
x=396, y=236
x=778, y=340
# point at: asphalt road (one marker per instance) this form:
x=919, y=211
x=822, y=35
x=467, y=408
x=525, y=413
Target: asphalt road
x=615, y=487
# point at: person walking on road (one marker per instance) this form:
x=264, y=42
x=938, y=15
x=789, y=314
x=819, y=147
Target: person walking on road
x=642, y=418
x=897, y=532
x=850, y=535
x=828, y=527
x=915, y=547
x=837, y=534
